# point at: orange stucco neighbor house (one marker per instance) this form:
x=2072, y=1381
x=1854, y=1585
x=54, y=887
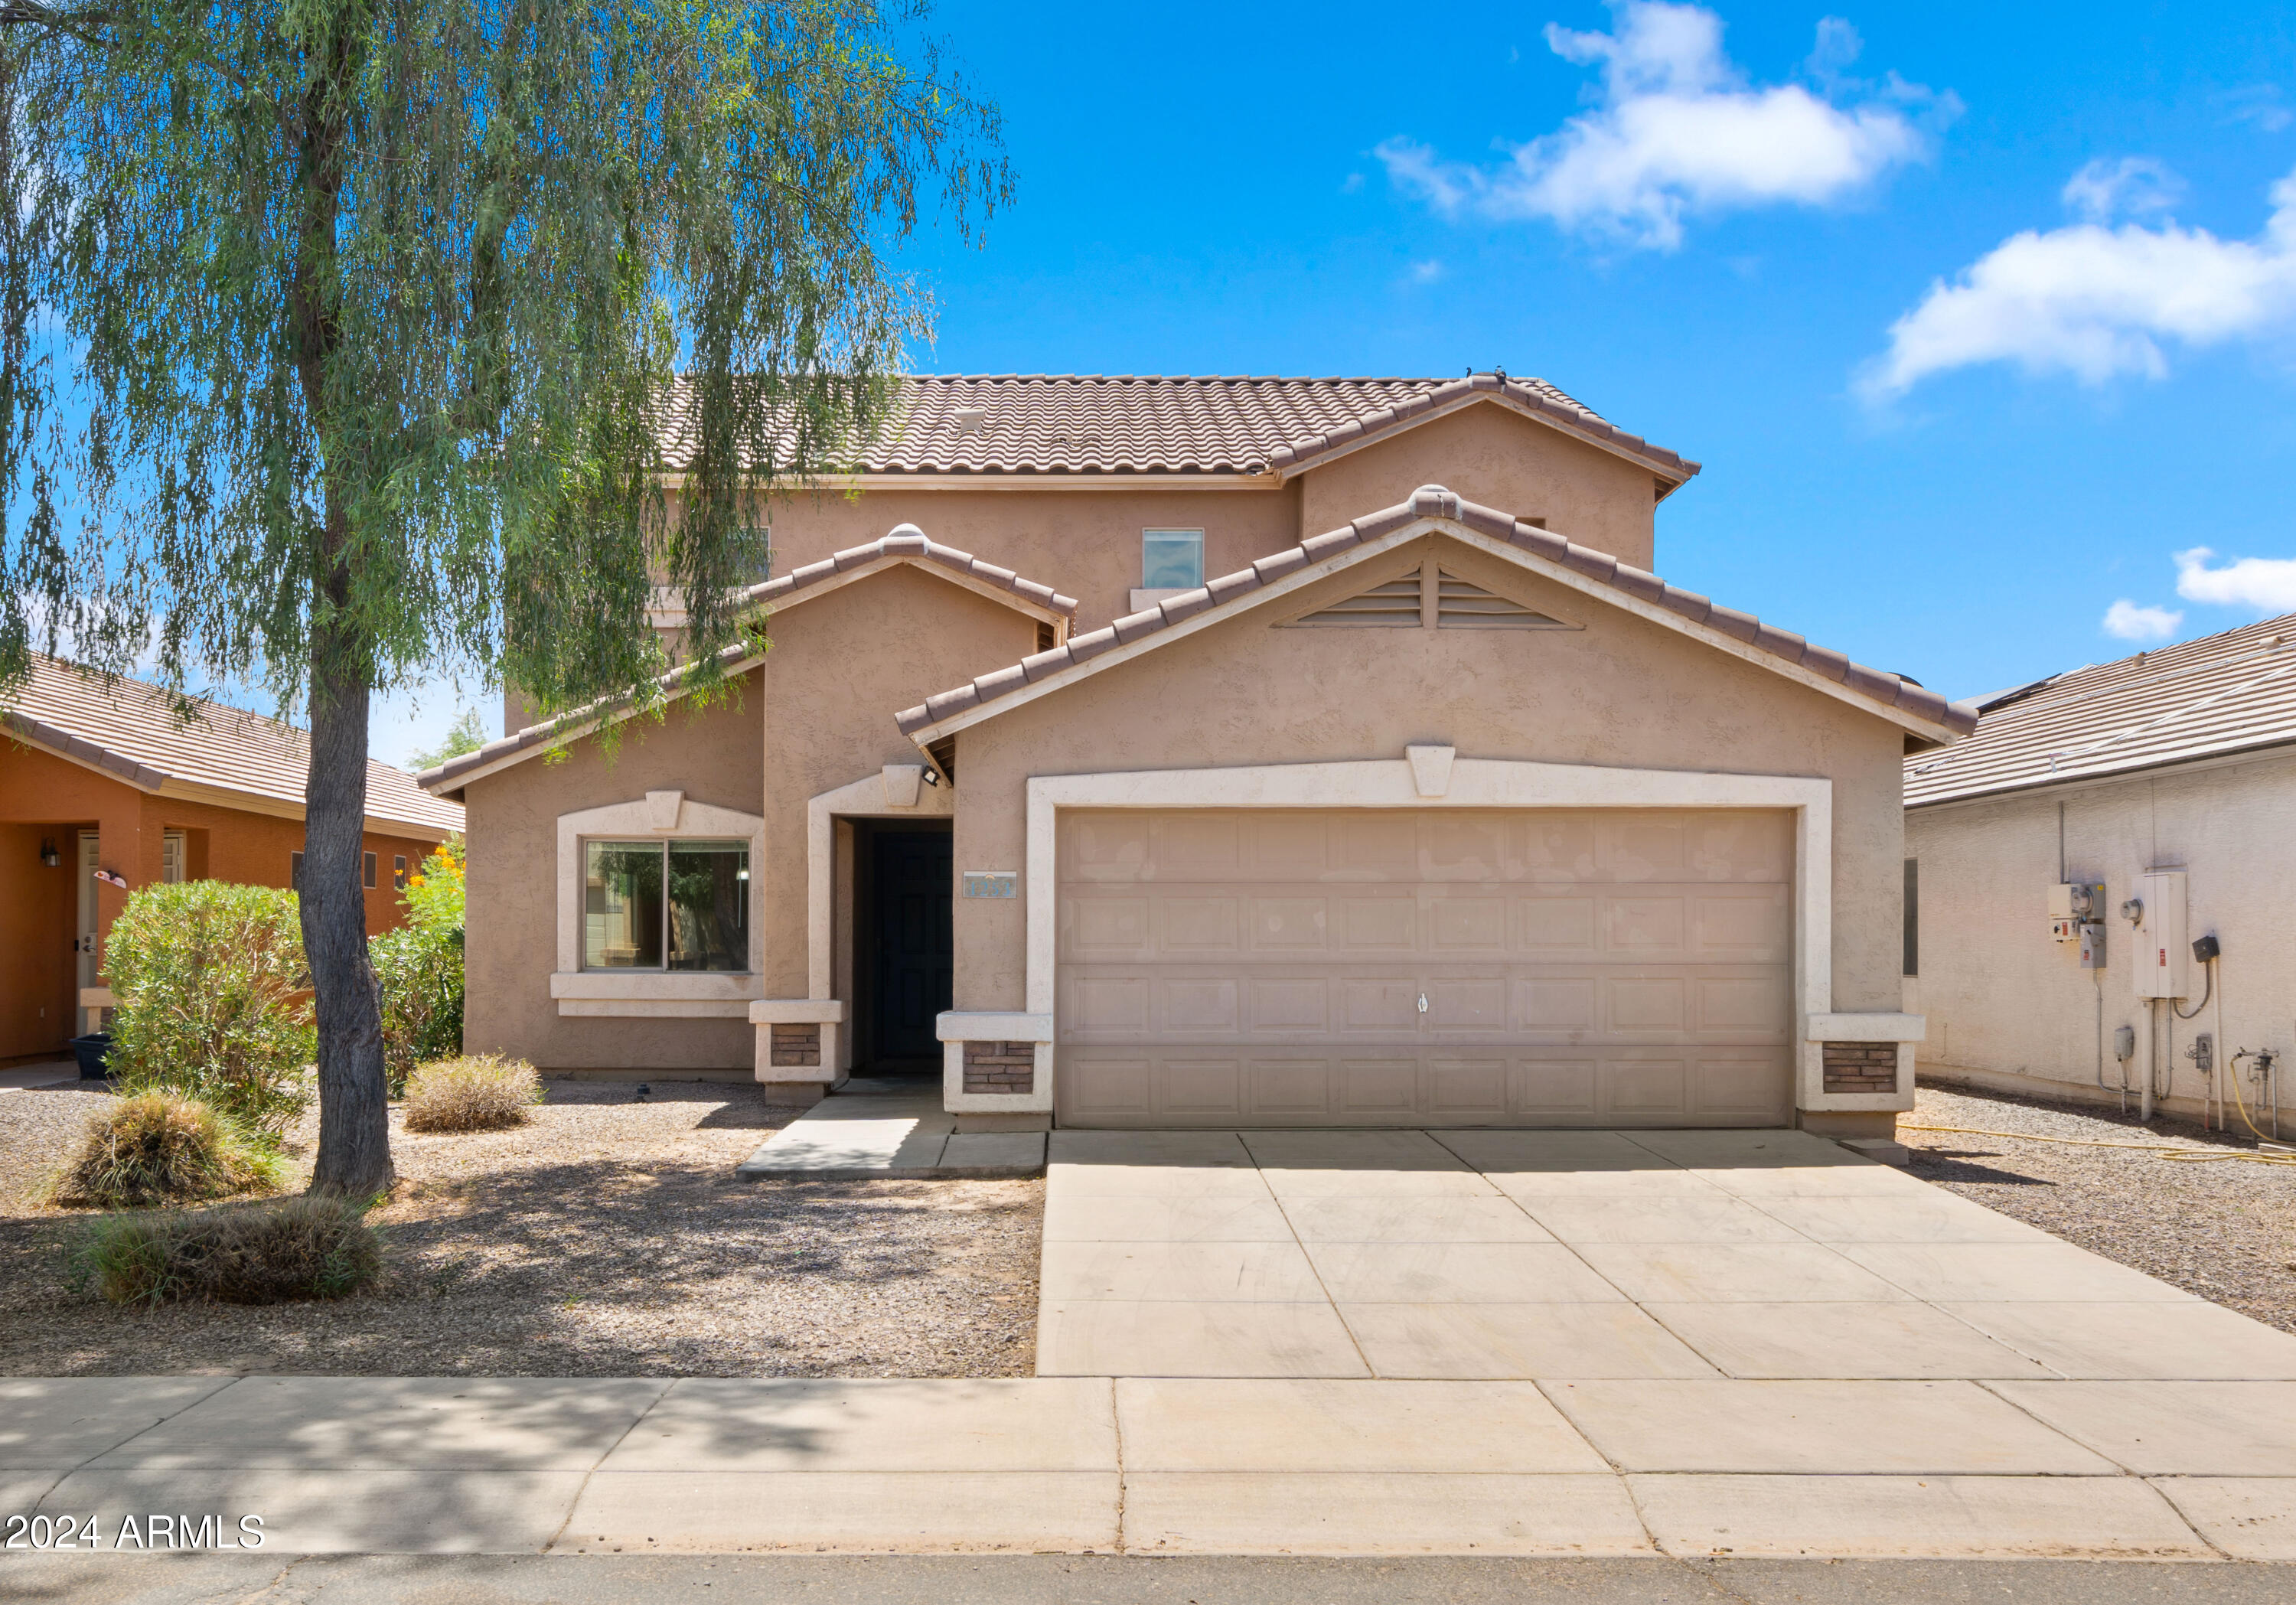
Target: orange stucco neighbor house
x=109, y=777
x=1215, y=752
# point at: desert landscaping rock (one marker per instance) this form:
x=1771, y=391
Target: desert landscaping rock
x=606, y=1239
x=2225, y=1231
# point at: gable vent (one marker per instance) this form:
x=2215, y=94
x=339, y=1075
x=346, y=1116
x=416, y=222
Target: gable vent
x=1395, y=605
x=1462, y=605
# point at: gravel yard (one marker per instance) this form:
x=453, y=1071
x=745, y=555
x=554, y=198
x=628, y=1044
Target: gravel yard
x=2225, y=1230
x=606, y=1239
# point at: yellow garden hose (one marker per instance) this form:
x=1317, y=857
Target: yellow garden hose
x=2189, y=1156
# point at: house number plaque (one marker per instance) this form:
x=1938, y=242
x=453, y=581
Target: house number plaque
x=992, y=883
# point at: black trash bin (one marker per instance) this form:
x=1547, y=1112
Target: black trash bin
x=91, y=1050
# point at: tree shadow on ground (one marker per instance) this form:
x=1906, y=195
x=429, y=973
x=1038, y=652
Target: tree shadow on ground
x=598, y=1268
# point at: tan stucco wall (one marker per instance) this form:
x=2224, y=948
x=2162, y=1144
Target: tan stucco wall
x=2008, y=1003
x=842, y=665
x=1621, y=691
x=715, y=755
x=1086, y=544
x=1082, y=544
x=1502, y=460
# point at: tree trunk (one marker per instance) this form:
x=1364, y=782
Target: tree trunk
x=354, y=1098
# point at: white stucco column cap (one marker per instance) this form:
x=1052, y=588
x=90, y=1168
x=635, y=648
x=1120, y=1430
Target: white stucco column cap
x=1865, y=1027
x=797, y=1012
x=989, y=1026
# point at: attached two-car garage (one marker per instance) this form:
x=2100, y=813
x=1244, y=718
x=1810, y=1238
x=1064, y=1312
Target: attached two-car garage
x=1424, y=967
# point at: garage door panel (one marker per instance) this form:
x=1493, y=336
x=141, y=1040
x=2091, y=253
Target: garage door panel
x=1553, y=922
x=1465, y=1089
x=1741, y=1085
x=1376, y=924
x=1197, y=927
x=1555, y=1089
x=1289, y=1004
x=1742, y=1006
x=1202, y=1088
x=1290, y=1087
x=1647, y=1088
x=1577, y=967
x=1372, y=1088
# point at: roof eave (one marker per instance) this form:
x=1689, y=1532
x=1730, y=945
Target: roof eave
x=1577, y=569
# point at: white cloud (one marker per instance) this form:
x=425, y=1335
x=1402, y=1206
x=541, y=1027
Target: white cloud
x=1677, y=130
x=2094, y=301
x=2132, y=187
x=1426, y=273
x=2267, y=583
x=2129, y=622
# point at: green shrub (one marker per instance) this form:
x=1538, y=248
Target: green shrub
x=481, y=1092
x=419, y=968
x=212, y=995
x=316, y=1246
x=157, y=1148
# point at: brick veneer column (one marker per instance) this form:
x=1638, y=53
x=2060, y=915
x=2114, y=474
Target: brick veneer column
x=1861, y=1067
x=797, y=1047
x=1000, y=1067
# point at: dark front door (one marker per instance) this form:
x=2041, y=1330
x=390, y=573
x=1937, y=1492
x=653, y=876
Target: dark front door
x=910, y=886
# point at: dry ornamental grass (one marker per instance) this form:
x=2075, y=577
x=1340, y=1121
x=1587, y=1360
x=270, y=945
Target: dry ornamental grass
x=312, y=1246
x=483, y=1092
x=161, y=1148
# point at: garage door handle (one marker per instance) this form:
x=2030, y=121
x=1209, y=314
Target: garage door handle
x=1422, y=1002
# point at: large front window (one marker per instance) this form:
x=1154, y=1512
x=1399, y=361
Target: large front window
x=665, y=906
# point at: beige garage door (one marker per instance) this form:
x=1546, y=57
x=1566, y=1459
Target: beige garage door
x=1424, y=968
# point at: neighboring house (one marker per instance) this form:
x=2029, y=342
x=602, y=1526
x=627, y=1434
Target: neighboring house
x=97, y=777
x=1174, y=752
x=2178, y=764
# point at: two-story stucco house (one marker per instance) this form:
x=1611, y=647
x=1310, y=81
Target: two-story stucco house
x=1215, y=752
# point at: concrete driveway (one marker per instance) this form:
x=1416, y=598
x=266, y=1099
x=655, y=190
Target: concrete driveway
x=1581, y=1256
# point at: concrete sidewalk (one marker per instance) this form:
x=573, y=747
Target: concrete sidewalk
x=1166, y=1466
x=872, y=1131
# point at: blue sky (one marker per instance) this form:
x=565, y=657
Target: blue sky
x=1707, y=225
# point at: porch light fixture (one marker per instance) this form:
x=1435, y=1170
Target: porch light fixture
x=933, y=776
x=48, y=854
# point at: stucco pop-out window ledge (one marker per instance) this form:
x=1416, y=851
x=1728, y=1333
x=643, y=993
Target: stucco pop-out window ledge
x=647, y=994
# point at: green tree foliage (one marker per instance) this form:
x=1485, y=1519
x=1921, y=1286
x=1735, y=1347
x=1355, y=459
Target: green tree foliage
x=344, y=341
x=210, y=981
x=419, y=968
x=467, y=734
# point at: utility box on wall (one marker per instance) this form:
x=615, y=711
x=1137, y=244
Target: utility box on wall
x=2162, y=955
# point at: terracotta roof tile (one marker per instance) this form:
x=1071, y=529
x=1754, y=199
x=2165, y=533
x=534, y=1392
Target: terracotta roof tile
x=2221, y=694
x=1090, y=423
x=1891, y=691
x=131, y=729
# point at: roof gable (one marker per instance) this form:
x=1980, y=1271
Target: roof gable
x=904, y=546
x=1925, y=716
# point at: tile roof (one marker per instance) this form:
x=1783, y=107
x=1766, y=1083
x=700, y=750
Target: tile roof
x=1092, y=424
x=903, y=542
x=131, y=729
x=1434, y=501
x=906, y=540
x=2222, y=694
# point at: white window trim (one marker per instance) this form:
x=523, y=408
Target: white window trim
x=688, y=994
x=1464, y=784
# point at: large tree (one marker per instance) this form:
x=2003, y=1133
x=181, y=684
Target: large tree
x=342, y=340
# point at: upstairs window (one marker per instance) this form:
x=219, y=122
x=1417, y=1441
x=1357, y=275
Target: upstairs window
x=678, y=905
x=1171, y=559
